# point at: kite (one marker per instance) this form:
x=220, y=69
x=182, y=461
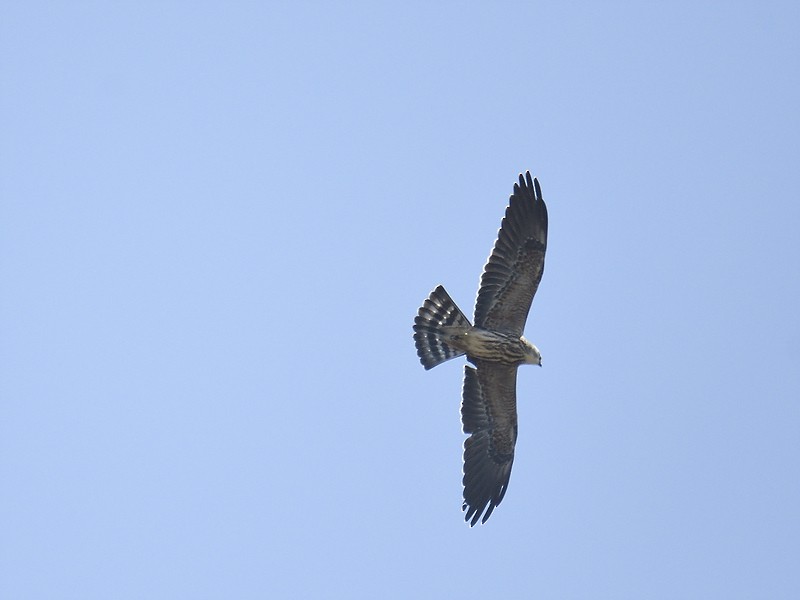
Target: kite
x=494, y=345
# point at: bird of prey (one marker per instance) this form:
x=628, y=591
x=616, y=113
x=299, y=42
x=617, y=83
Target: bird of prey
x=494, y=344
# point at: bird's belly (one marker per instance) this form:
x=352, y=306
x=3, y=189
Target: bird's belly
x=490, y=345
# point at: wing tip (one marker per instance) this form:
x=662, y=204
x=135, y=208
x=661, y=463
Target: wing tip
x=530, y=184
x=475, y=514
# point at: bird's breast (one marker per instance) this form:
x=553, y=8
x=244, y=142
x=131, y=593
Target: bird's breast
x=490, y=345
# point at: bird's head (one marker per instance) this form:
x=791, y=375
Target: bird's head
x=532, y=354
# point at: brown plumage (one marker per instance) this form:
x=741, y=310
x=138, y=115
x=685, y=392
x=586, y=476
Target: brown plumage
x=494, y=345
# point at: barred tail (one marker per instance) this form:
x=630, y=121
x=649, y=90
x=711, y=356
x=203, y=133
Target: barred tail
x=437, y=312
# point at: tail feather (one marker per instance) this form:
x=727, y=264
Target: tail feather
x=437, y=313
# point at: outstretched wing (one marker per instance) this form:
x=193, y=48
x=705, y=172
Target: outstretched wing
x=515, y=267
x=489, y=415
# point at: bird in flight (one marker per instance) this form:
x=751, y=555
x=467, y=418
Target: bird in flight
x=494, y=344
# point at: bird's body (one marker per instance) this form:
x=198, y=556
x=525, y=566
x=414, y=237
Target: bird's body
x=494, y=344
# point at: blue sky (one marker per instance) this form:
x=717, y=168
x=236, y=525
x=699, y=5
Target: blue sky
x=219, y=219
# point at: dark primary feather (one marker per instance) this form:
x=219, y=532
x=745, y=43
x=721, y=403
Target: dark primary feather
x=512, y=274
x=489, y=415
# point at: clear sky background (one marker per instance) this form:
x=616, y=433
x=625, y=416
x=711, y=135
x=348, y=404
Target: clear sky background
x=218, y=221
